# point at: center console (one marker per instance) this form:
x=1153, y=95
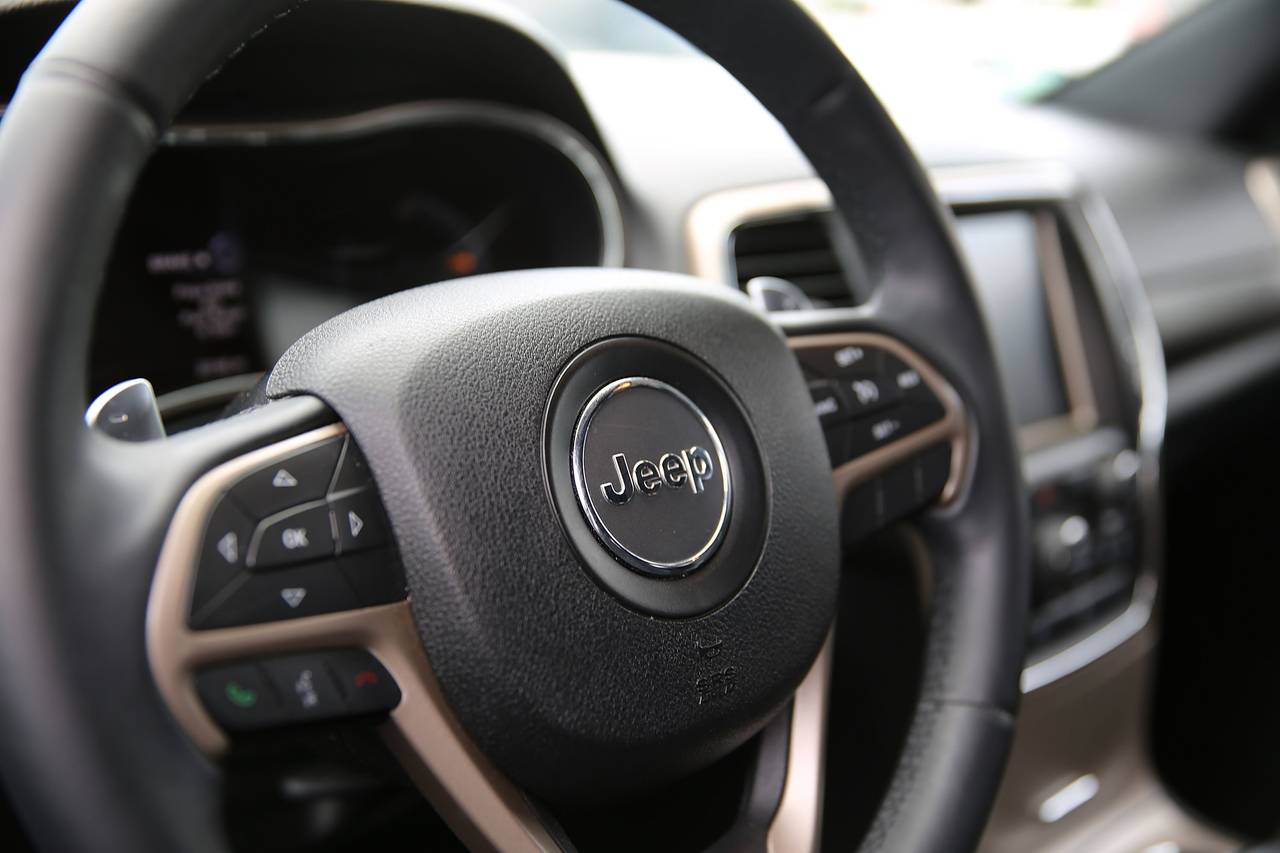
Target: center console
x=1066, y=348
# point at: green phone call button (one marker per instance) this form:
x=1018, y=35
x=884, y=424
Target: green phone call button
x=241, y=696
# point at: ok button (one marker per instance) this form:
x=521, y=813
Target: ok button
x=293, y=536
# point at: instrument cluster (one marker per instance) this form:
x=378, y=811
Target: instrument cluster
x=241, y=238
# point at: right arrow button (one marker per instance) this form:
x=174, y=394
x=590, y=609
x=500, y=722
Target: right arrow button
x=359, y=521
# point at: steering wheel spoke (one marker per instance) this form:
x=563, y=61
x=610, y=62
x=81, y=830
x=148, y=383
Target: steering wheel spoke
x=258, y=547
x=240, y=652
x=244, y=637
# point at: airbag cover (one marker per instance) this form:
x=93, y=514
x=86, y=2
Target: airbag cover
x=572, y=690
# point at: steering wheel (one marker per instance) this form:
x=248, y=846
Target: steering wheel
x=608, y=492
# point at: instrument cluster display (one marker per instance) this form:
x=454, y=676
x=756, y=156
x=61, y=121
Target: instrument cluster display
x=240, y=240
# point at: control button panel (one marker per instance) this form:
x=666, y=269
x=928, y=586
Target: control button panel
x=293, y=689
x=866, y=398
x=303, y=535
x=1085, y=524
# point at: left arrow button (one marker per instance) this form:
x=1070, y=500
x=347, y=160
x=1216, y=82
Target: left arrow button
x=223, y=552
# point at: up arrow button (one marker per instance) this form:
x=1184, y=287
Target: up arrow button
x=284, y=480
x=289, y=482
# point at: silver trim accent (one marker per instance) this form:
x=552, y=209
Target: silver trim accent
x=1125, y=307
x=583, y=489
x=1262, y=180
x=1068, y=798
x=127, y=411
x=713, y=219
x=542, y=127
x=797, y=824
x=759, y=289
x=1082, y=415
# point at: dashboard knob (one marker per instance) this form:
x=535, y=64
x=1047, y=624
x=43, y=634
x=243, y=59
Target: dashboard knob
x=1116, y=476
x=1062, y=543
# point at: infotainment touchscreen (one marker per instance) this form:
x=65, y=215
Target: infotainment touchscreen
x=1001, y=251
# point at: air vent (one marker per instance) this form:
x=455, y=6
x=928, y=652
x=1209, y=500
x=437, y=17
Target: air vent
x=798, y=249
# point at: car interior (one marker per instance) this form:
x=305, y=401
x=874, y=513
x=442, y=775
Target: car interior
x=671, y=425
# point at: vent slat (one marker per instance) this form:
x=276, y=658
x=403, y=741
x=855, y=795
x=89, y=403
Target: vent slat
x=797, y=249
x=786, y=264
x=831, y=288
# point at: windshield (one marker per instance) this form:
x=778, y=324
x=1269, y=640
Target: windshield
x=1011, y=48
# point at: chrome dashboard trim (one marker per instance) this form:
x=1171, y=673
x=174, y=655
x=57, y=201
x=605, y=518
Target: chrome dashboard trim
x=539, y=126
x=712, y=220
x=1126, y=306
x=1064, y=324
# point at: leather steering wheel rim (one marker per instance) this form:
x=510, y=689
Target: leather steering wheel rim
x=84, y=728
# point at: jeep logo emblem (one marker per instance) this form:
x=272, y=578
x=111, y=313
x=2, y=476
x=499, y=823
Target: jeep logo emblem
x=651, y=476
x=693, y=467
